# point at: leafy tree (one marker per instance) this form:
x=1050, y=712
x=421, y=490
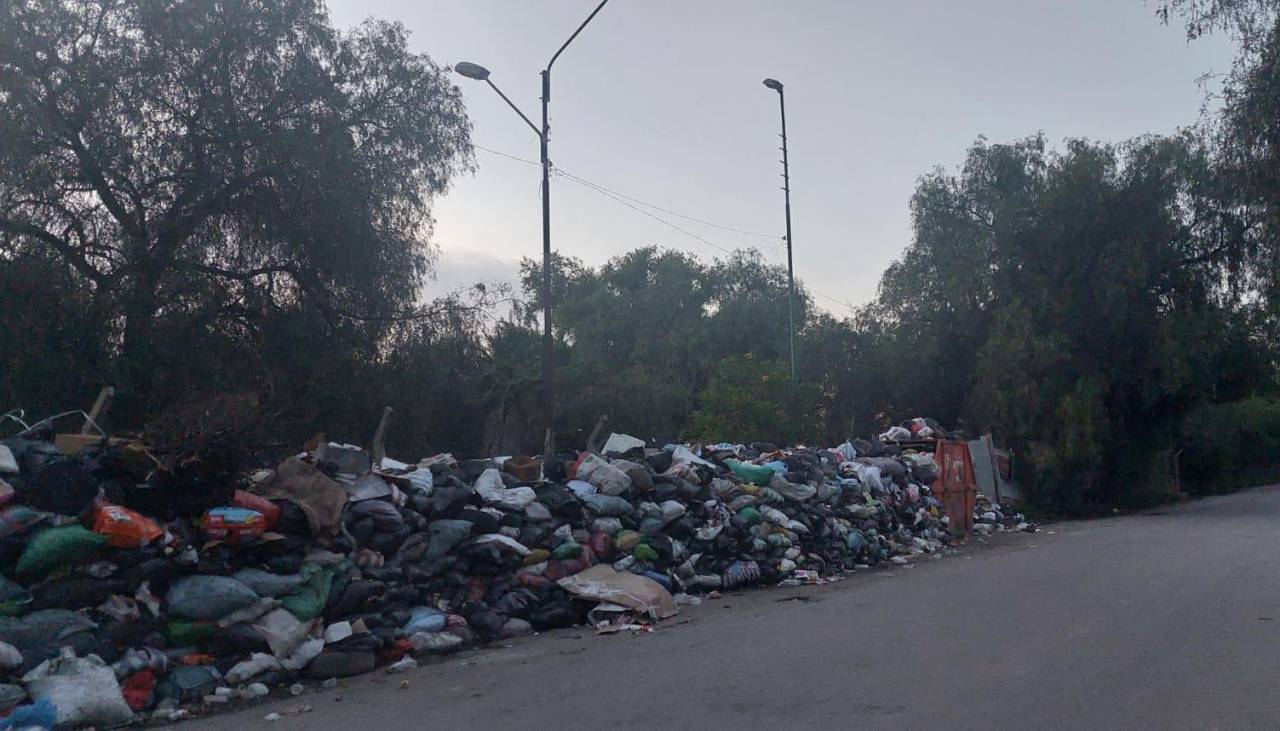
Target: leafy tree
x=201, y=167
x=747, y=398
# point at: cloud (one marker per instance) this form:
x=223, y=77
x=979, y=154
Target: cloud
x=461, y=268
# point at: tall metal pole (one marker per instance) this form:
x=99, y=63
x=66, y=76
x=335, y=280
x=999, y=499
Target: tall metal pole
x=786, y=188
x=478, y=72
x=548, y=343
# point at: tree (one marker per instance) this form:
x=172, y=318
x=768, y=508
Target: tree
x=747, y=398
x=200, y=167
x=1248, y=21
x=632, y=333
x=1071, y=301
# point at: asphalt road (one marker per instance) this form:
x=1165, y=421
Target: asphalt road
x=1168, y=620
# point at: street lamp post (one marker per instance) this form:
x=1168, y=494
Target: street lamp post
x=480, y=73
x=786, y=188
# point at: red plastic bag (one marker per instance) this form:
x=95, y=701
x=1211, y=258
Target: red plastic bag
x=247, y=500
x=139, y=690
x=123, y=527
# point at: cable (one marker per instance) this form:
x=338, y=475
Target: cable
x=628, y=201
x=633, y=199
x=671, y=212
x=637, y=209
x=503, y=154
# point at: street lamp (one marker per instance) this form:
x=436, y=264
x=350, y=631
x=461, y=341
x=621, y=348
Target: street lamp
x=480, y=73
x=786, y=187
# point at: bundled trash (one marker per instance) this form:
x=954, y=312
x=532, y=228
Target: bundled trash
x=135, y=586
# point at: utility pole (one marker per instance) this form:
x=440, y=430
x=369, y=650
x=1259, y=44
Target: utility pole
x=786, y=188
x=480, y=73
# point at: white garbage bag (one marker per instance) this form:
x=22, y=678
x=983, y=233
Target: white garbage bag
x=84, y=690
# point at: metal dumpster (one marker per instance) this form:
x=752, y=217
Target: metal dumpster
x=956, y=486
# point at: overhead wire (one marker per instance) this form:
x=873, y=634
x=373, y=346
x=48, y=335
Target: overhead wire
x=635, y=203
x=602, y=189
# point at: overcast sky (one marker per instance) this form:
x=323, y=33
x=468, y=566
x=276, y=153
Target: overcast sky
x=661, y=100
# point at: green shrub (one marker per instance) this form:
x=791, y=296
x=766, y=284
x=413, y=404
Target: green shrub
x=1231, y=445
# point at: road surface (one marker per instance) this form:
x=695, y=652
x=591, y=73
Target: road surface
x=1167, y=620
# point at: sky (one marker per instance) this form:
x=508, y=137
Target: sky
x=661, y=101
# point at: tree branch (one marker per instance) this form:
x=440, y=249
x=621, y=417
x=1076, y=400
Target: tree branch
x=73, y=255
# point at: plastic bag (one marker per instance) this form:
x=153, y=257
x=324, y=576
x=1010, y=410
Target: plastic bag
x=608, y=479
x=208, y=597
x=83, y=690
x=425, y=619
x=265, y=583
x=36, y=715
x=19, y=519
x=283, y=631
x=608, y=505
x=308, y=601
x=257, y=664
x=751, y=473
x=10, y=657
x=124, y=528
x=13, y=597
x=54, y=547
x=491, y=488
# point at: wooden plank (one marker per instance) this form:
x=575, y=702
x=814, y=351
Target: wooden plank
x=100, y=406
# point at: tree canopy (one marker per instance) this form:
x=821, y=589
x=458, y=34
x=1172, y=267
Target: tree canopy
x=201, y=169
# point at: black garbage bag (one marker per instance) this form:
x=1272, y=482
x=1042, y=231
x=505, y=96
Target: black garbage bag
x=445, y=534
x=660, y=462
x=447, y=502
x=482, y=523
x=77, y=593
x=356, y=597
x=518, y=603
x=63, y=486
x=486, y=623
x=553, y=469
x=238, y=640
x=471, y=469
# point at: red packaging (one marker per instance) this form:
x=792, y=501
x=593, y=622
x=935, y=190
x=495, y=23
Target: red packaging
x=247, y=500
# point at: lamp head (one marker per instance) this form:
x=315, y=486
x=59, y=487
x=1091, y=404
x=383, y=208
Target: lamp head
x=472, y=70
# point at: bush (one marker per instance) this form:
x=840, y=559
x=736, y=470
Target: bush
x=751, y=398
x=1231, y=445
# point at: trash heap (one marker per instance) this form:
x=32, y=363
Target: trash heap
x=134, y=586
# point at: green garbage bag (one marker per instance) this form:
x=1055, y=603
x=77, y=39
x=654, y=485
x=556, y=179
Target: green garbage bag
x=644, y=552
x=181, y=632
x=308, y=600
x=750, y=515
x=755, y=474
x=567, y=550
x=55, y=547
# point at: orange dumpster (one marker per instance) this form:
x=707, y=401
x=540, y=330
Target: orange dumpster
x=956, y=486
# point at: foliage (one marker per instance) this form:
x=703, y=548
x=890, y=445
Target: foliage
x=1231, y=445
x=213, y=173
x=747, y=397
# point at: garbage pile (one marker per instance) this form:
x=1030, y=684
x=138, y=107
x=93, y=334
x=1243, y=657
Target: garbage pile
x=134, y=586
x=990, y=517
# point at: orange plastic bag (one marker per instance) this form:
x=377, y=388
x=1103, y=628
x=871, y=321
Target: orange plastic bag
x=123, y=527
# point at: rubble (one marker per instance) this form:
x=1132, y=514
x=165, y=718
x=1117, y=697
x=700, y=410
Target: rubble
x=187, y=587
